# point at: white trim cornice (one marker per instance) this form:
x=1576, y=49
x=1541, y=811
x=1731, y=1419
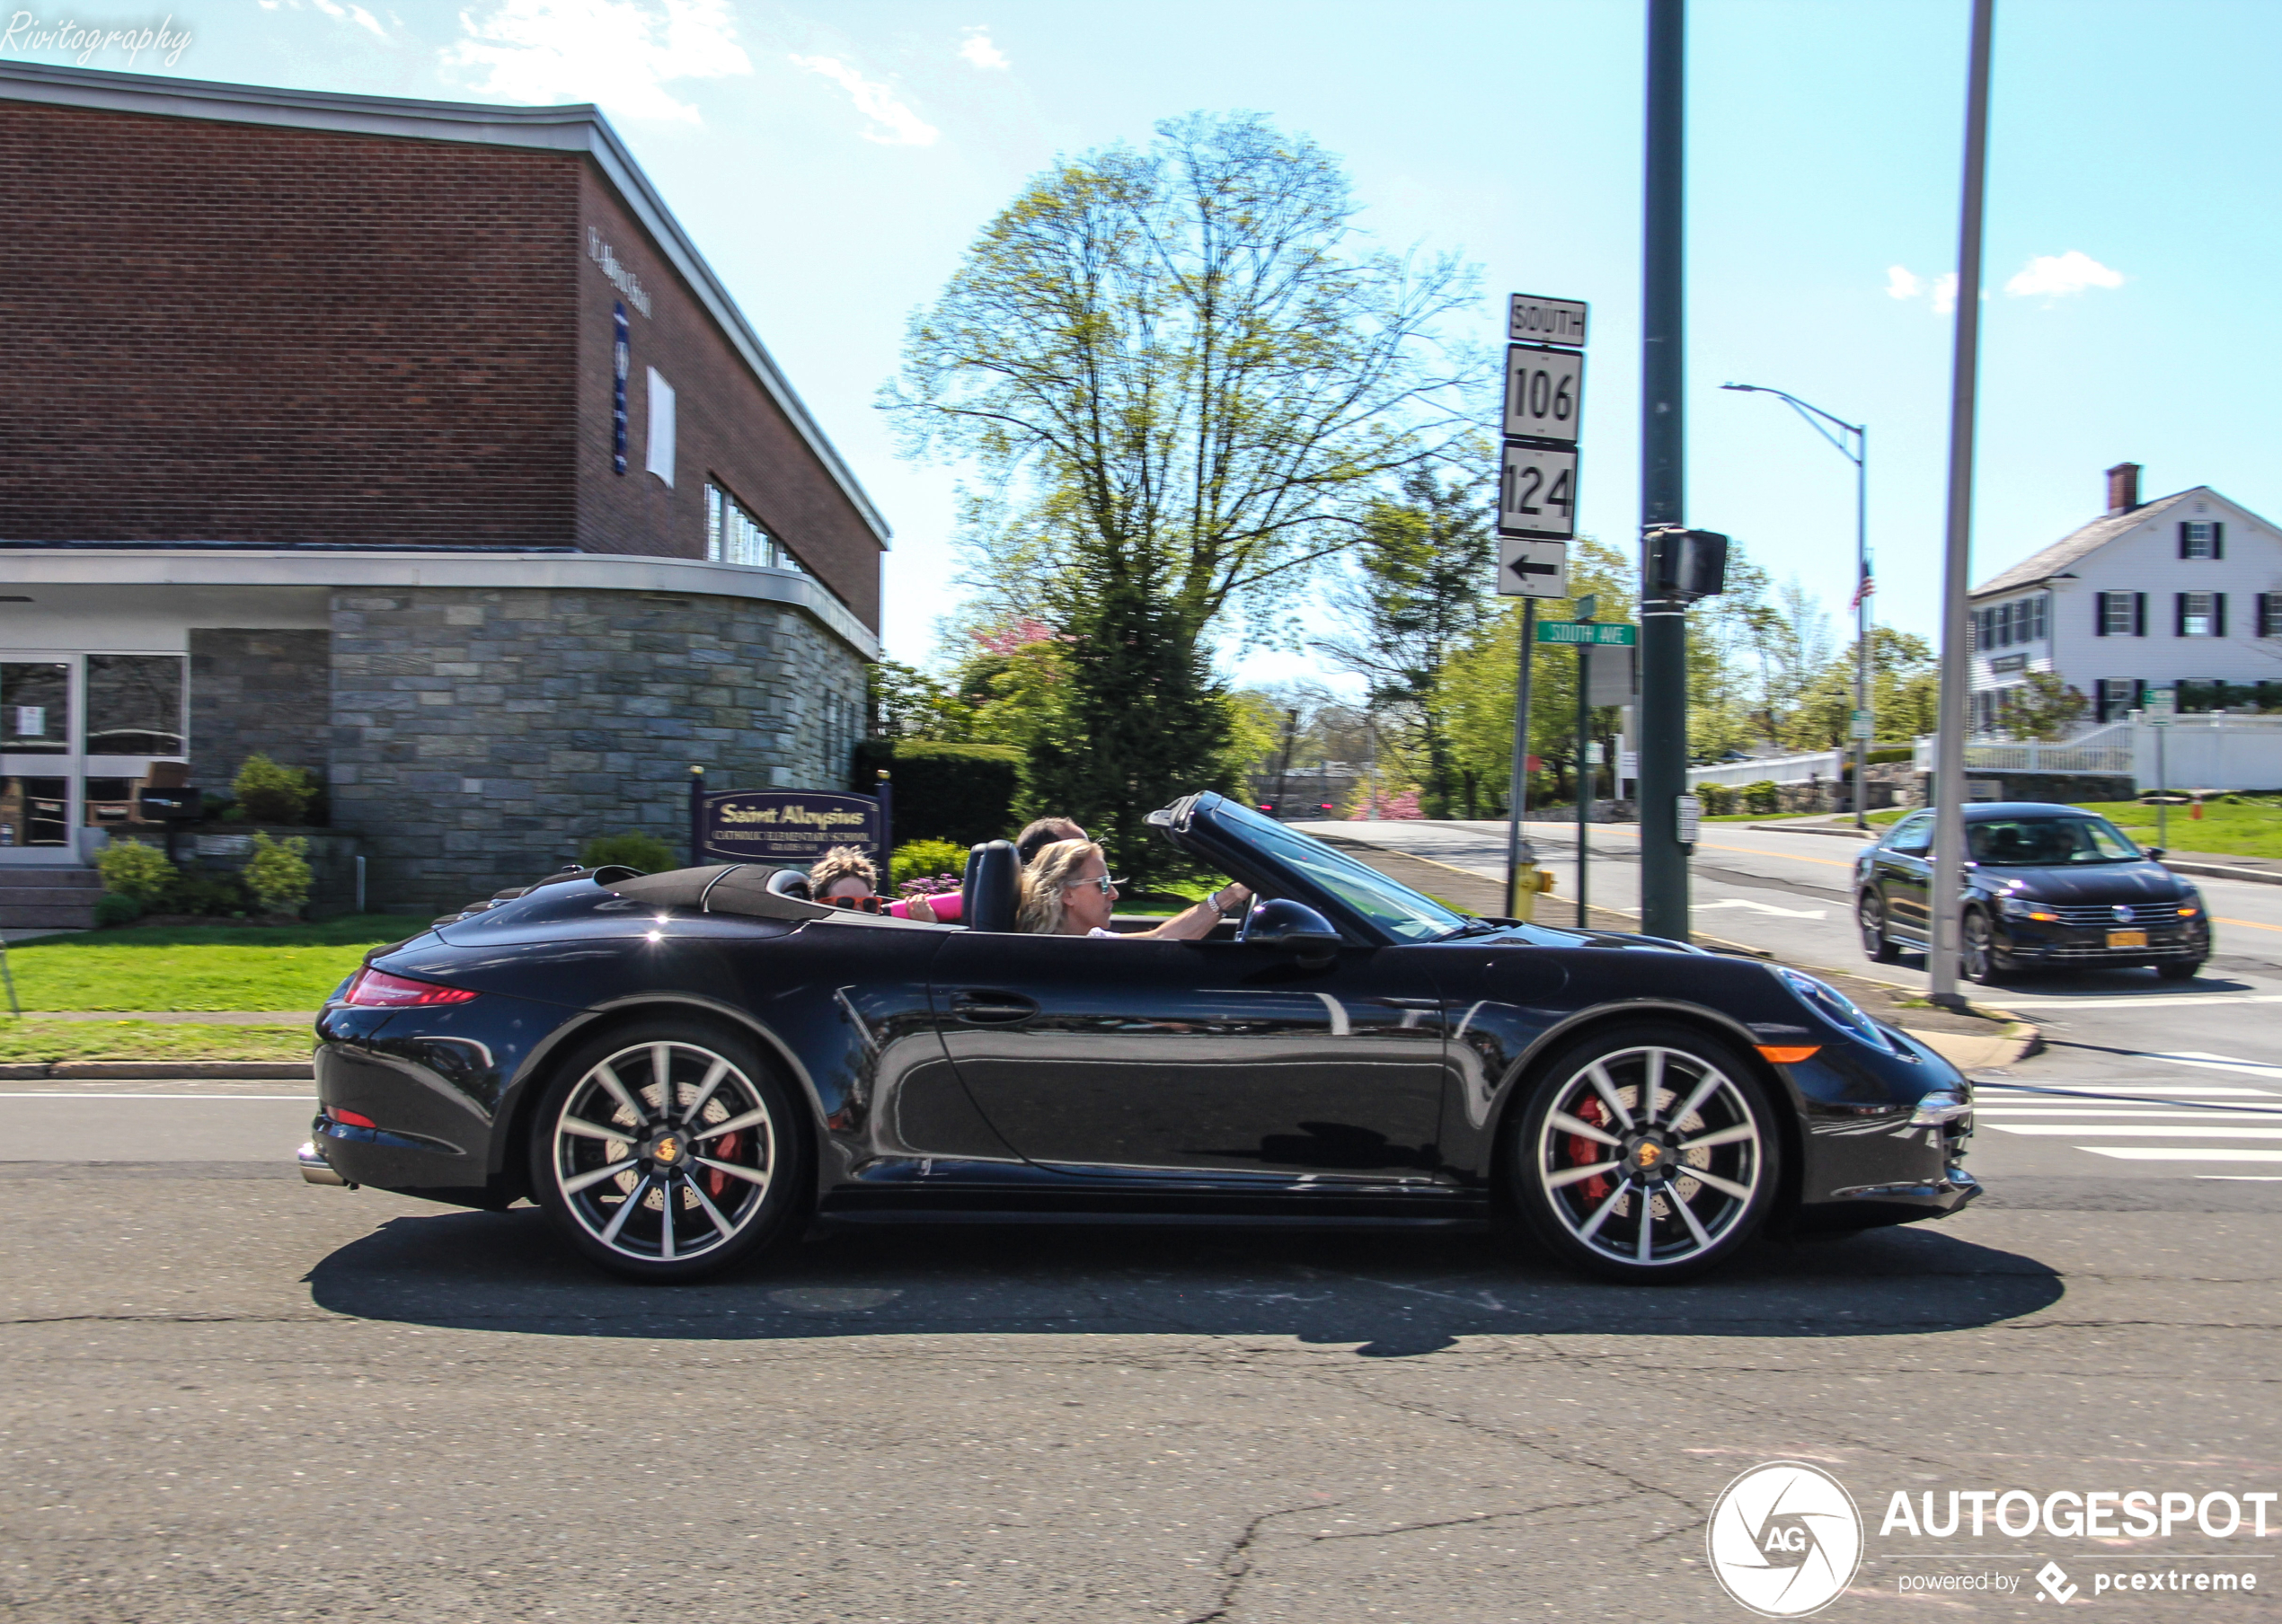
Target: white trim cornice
x=256, y=566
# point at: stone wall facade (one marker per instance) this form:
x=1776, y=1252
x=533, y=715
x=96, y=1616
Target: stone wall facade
x=480, y=736
x=257, y=693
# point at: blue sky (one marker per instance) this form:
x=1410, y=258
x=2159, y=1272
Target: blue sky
x=833, y=163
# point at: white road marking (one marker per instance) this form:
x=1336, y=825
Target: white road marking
x=2216, y=1130
x=1763, y=907
x=2063, y=1113
x=2218, y=1063
x=2241, y=1177
x=2114, y=1091
x=2136, y=1001
x=2164, y=1153
x=61, y=1094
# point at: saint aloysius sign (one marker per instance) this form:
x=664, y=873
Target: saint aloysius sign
x=791, y=828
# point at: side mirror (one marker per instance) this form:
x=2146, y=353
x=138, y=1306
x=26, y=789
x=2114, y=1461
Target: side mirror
x=2154, y=854
x=1294, y=927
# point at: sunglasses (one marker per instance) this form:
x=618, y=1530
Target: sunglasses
x=1101, y=882
x=862, y=904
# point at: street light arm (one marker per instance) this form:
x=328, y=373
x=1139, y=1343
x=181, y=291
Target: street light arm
x=1816, y=418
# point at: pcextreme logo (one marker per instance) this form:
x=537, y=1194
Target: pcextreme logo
x=1785, y=1539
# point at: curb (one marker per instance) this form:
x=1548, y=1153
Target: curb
x=286, y=1070
x=1848, y=833
x=2208, y=870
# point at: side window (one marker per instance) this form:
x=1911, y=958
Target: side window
x=1913, y=835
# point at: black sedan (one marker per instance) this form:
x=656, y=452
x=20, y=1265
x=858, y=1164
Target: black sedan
x=683, y=1068
x=2046, y=887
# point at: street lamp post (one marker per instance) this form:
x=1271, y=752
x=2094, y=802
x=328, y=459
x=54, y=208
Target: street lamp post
x=1853, y=441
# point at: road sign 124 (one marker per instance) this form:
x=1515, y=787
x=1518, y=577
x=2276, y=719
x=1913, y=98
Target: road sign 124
x=1537, y=492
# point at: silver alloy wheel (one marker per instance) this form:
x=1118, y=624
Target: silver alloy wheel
x=1980, y=949
x=1869, y=918
x=664, y=1150
x=1649, y=1156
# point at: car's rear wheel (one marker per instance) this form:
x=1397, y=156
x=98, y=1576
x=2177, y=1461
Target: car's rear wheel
x=667, y=1150
x=1870, y=916
x=1649, y=1155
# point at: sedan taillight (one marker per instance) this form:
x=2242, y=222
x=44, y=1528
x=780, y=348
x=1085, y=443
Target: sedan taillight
x=376, y=989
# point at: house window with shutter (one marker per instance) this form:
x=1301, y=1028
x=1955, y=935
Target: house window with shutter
x=2201, y=614
x=2117, y=697
x=2040, y=609
x=2199, y=540
x=2122, y=615
x=2266, y=619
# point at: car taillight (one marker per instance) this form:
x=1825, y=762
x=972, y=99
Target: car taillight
x=377, y=989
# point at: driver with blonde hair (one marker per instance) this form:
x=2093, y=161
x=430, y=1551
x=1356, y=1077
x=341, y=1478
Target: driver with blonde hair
x=1067, y=891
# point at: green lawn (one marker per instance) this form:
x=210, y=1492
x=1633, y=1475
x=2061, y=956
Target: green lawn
x=2246, y=828
x=46, y=1042
x=199, y=967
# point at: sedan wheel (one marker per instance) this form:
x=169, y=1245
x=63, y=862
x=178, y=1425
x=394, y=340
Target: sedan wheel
x=666, y=1153
x=1870, y=915
x=1647, y=1157
x=1979, y=959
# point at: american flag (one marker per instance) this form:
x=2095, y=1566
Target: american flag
x=1868, y=585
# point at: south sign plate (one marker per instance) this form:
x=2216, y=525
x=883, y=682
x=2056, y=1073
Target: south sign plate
x=1537, y=492
x=1612, y=634
x=1545, y=392
x=1530, y=320
x=1532, y=569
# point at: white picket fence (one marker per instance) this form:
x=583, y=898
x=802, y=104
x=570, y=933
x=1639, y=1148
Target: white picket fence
x=1769, y=768
x=2201, y=752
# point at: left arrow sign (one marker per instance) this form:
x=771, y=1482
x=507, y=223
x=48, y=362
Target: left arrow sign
x=1527, y=569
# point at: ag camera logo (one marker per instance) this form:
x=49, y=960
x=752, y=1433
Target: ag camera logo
x=1785, y=1539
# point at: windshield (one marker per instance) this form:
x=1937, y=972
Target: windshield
x=1399, y=911
x=2027, y=843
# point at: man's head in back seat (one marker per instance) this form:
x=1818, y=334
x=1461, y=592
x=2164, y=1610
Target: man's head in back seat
x=1042, y=832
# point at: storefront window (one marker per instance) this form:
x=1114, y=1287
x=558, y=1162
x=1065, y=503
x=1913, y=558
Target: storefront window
x=35, y=697
x=135, y=705
x=34, y=811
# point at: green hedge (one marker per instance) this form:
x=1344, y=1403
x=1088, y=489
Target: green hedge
x=955, y=792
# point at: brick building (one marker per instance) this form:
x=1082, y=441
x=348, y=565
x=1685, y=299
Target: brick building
x=410, y=442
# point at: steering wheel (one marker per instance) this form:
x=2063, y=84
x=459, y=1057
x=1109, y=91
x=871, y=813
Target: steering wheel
x=1252, y=906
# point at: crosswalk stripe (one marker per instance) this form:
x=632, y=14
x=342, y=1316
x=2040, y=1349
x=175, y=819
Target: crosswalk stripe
x=2166, y=1152
x=2216, y=1130
x=2114, y=1090
x=2034, y=1113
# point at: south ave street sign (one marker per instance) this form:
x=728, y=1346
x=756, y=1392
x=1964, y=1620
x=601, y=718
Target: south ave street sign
x=1605, y=633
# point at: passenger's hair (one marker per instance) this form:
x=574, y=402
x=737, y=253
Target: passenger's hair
x=842, y=862
x=1041, y=832
x=1041, y=912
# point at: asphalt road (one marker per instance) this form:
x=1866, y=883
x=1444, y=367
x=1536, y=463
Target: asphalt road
x=233, y=1396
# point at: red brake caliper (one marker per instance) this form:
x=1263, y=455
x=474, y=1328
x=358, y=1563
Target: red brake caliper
x=718, y=1181
x=1584, y=1152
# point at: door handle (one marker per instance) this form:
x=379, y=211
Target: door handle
x=991, y=1009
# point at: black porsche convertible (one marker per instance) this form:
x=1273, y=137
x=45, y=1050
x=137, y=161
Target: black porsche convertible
x=684, y=1068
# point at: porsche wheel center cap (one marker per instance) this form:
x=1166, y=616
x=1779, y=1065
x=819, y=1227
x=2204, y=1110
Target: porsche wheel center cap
x=1651, y=1159
x=669, y=1149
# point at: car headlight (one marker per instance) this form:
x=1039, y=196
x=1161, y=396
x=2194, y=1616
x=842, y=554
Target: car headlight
x=1941, y=1106
x=2026, y=907
x=2190, y=904
x=1834, y=1007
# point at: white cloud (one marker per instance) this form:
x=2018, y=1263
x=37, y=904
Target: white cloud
x=979, y=50
x=1945, y=293
x=2053, y=276
x=336, y=10
x=877, y=102
x=622, y=53
x=1900, y=284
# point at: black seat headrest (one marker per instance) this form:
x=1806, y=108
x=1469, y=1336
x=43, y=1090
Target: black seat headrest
x=993, y=889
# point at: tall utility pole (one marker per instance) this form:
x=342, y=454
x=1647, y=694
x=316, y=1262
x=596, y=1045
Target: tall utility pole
x=1856, y=449
x=1664, y=674
x=1949, y=761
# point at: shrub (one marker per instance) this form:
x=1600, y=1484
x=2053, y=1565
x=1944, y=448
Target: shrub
x=963, y=793
x=632, y=849
x=133, y=869
x=925, y=861
x=271, y=794
x=277, y=874
x=116, y=908
x=1763, y=799
x=1718, y=799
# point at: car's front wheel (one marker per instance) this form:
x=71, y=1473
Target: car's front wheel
x=2180, y=969
x=1870, y=916
x=667, y=1152
x=1979, y=957
x=1646, y=1155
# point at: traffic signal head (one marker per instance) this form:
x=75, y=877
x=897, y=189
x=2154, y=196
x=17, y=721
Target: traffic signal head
x=1683, y=564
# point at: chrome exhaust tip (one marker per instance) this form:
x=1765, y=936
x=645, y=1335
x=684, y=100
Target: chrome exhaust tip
x=315, y=1168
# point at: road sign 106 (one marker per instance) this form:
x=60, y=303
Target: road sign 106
x=1545, y=392
x=1537, y=492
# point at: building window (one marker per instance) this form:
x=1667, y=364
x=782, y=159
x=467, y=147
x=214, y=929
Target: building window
x=2117, y=697
x=2201, y=614
x=734, y=536
x=2197, y=539
x=2121, y=614
x=134, y=704
x=2268, y=617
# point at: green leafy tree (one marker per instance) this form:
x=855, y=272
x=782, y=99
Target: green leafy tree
x=272, y=794
x=2044, y=707
x=1417, y=590
x=906, y=703
x=1902, y=671
x=632, y=849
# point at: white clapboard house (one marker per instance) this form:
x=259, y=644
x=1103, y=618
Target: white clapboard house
x=2184, y=591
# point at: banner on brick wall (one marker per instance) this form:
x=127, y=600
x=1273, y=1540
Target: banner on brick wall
x=791, y=828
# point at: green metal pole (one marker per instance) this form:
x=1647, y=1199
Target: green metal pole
x=1584, y=767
